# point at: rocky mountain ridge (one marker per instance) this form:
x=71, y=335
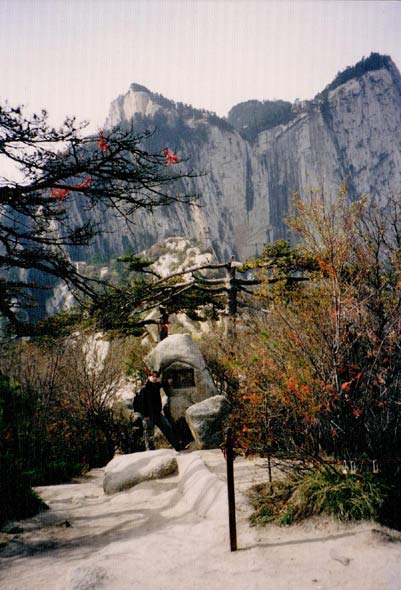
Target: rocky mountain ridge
x=348, y=132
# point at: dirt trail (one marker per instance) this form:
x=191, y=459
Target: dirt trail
x=174, y=533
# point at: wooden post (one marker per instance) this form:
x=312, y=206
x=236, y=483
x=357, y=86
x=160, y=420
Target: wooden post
x=232, y=297
x=230, y=489
x=269, y=469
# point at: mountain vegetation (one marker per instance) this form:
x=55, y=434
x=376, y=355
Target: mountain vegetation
x=253, y=116
x=375, y=61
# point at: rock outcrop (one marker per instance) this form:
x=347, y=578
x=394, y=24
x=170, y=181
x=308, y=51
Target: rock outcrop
x=179, y=357
x=206, y=420
x=125, y=471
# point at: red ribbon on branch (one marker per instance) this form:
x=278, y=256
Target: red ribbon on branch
x=102, y=143
x=60, y=193
x=170, y=157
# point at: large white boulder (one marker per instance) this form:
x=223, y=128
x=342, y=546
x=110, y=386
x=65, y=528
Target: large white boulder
x=206, y=420
x=179, y=356
x=125, y=471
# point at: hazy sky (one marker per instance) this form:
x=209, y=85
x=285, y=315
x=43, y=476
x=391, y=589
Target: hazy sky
x=76, y=56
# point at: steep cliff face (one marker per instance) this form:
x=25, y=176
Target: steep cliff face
x=364, y=119
x=229, y=199
x=350, y=132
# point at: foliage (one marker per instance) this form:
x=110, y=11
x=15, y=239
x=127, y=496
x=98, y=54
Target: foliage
x=375, y=61
x=17, y=497
x=58, y=413
x=253, y=116
x=281, y=269
x=128, y=429
x=324, y=490
x=358, y=356
x=119, y=308
x=60, y=325
x=182, y=134
x=221, y=356
x=275, y=403
x=318, y=369
x=37, y=231
x=324, y=366
x=123, y=307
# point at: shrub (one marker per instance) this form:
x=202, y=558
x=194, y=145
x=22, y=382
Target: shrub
x=54, y=472
x=17, y=498
x=319, y=491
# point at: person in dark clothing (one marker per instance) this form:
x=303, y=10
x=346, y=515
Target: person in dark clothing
x=152, y=414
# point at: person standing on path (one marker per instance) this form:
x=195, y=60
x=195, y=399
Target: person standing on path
x=152, y=413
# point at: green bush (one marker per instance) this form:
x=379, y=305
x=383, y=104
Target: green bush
x=323, y=490
x=18, y=500
x=54, y=472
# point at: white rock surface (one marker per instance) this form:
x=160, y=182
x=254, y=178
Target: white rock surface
x=246, y=193
x=176, y=352
x=87, y=578
x=205, y=420
x=173, y=534
x=125, y=471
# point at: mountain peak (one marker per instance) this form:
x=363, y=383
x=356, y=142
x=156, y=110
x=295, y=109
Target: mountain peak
x=375, y=61
x=139, y=88
x=138, y=100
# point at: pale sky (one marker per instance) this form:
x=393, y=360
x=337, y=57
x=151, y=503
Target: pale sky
x=75, y=56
